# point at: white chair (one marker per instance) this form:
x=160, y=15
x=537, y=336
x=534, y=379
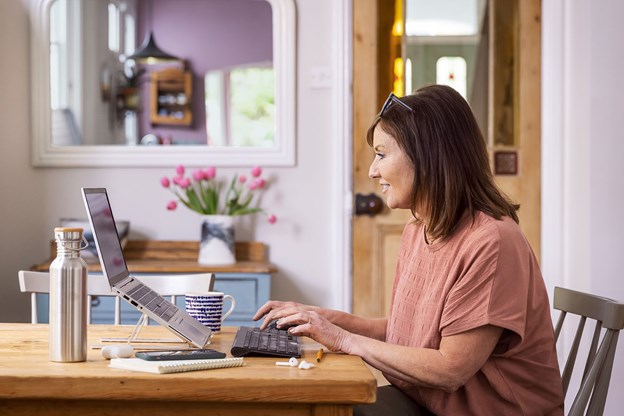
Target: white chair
x=172, y=285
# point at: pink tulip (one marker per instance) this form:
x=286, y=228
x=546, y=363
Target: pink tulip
x=180, y=170
x=198, y=175
x=210, y=172
x=272, y=219
x=165, y=182
x=177, y=179
x=242, y=178
x=184, y=183
x=252, y=185
x=172, y=205
x=256, y=171
x=260, y=182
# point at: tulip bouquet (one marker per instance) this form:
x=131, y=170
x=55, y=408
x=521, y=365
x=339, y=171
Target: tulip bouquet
x=203, y=193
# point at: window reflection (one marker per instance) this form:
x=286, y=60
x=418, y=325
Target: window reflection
x=240, y=107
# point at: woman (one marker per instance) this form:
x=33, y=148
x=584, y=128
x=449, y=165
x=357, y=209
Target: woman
x=469, y=330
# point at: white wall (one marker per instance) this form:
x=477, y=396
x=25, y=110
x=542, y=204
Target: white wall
x=22, y=206
x=583, y=232
x=303, y=241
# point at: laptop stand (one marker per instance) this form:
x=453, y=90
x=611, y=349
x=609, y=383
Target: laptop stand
x=134, y=337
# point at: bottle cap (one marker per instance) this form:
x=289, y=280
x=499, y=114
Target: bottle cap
x=65, y=233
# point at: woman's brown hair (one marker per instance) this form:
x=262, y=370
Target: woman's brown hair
x=452, y=173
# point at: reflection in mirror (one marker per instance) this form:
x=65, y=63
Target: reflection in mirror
x=98, y=104
x=240, y=106
x=100, y=95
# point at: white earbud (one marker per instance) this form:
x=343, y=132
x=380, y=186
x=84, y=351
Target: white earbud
x=305, y=365
x=117, y=351
x=292, y=362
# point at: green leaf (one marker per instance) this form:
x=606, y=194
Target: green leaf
x=246, y=211
x=194, y=200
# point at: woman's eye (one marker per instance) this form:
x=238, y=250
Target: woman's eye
x=380, y=155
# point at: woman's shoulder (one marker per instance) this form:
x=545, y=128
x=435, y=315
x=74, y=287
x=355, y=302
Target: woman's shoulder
x=485, y=229
x=504, y=224
x=503, y=233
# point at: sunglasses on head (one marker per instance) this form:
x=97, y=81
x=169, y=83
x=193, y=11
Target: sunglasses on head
x=393, y=99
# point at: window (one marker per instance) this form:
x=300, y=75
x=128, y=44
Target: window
x=451, y=71
x=58, y=55
x=113, y=27
x=240, y=107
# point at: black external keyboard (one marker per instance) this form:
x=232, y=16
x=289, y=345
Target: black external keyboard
x=271, y=342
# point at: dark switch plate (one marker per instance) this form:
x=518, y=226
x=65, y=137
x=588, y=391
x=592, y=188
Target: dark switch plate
x=506, y=163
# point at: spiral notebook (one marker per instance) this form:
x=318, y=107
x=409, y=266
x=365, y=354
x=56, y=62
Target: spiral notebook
x=174, y=366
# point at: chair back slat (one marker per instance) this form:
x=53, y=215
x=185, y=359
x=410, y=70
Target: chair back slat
x=609, y=316
x=34, y=316
x=569, y=365
x=560, y=321
x=596, y=407
x=591, y=354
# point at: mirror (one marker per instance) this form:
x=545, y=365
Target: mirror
x=220, y=104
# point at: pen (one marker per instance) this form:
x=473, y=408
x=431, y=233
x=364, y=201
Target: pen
x=319, y=355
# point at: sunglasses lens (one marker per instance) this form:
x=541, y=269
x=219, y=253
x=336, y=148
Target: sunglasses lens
x=389, y=101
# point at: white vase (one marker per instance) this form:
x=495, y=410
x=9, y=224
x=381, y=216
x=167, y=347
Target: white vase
x=216, y=246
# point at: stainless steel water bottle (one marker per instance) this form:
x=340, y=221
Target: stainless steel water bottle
x=68, y=298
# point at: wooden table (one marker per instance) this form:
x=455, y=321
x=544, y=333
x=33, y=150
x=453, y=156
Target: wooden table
x=30, y=384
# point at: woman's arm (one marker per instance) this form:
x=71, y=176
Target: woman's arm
x=457, y=359
x=449, y=367
x=371, y=328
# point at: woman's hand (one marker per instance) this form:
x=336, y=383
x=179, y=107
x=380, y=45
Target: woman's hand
x=270, y=310
x=304, y=320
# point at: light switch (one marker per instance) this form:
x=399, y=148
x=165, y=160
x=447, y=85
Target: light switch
x=320, y=77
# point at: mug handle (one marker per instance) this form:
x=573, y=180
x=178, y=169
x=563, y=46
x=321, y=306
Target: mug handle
x=233, y=304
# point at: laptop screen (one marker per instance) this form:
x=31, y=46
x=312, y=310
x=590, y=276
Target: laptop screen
x=105, y=234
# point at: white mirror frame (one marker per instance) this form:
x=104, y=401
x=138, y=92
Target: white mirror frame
x=43, y=154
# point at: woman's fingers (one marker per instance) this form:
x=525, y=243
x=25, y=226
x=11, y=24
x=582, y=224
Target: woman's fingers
x=266, y=308
x=315, y=326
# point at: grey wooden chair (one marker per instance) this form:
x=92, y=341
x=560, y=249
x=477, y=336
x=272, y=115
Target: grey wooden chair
x=608, y=315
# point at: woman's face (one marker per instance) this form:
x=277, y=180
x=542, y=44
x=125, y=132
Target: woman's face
x=393, y=169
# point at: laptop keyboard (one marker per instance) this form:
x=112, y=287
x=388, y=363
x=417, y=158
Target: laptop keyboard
x=153, y=301
x=271, y=342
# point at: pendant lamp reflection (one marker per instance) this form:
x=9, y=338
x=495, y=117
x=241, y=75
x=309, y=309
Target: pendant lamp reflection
x=149, y=53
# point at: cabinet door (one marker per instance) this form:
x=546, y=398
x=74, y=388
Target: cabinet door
x=250, y=292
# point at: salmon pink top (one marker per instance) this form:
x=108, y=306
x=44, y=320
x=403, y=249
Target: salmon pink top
x=485, y=273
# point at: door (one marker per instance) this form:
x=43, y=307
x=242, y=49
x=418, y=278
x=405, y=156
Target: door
x=504, y=69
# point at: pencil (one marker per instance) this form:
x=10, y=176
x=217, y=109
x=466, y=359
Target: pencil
x=319, y=355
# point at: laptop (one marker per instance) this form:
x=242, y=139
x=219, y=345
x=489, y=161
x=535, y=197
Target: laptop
x=128, y=287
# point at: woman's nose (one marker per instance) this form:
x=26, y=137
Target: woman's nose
x=372, y=171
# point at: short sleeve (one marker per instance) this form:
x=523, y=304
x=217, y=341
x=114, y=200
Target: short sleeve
x=492, y=286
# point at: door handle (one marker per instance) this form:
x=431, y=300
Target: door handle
x=370, y=204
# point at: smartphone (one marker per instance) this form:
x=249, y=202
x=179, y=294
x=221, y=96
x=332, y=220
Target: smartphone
x=205, y=354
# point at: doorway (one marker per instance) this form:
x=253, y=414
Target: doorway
x=504, y=66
